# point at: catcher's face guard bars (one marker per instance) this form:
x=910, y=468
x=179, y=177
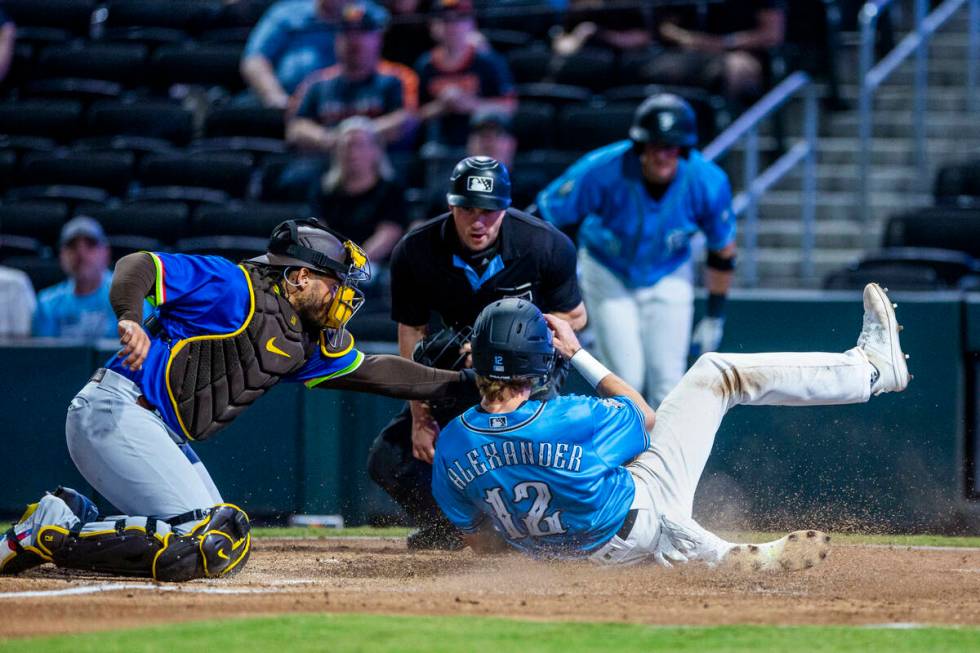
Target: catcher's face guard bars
x=348, y=298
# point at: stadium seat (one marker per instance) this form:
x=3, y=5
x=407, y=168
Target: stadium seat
x=531, y=64
x=84, y=90
x=8, y=164
x=894, y=276
x=111, y=171
x=192, y=16
x=534, y=125
x=42, y=271
x=271, y=187
x=255, y=219
x=959, y=184
x=591, y=126
x=191, y=195
x=11, y=245
x=558, y=95
x=39, y=36
x=38, y=219
x=21, y=145
x=245, y=121
x=257, y=146
x=55, y=119
x=153, y=119
x=65, y=193
x=408, y=170
x=152, y=37
x=208, y=64
x=591, y=68
x=238, y=35
x=505, y=40
x=233, y=248
x=138, y=146
x=163, y=221
x=72, y=15
x=115, y=62
x=230, y=172
x=948, y=228
x=130, y=244
x=950, y=266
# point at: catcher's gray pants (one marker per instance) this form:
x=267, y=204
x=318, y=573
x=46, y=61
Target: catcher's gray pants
x=130, y=456
x=667, y=473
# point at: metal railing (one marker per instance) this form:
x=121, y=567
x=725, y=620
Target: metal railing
x=873, y=75
x=756, y=183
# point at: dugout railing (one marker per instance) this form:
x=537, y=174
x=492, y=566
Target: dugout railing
x=755, y=183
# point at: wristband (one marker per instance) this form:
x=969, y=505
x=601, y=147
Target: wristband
x=591, y=370
x=716, y=305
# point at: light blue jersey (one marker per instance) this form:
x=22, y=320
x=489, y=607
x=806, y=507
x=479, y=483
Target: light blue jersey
x=639, y=238
x=63, y=314
x=548, y=476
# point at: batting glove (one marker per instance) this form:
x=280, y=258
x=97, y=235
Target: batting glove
x=707, y=335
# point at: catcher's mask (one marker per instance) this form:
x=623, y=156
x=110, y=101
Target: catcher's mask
x=307, y=243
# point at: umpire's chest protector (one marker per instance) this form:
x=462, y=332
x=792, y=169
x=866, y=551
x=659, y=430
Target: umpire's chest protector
x=213, y=378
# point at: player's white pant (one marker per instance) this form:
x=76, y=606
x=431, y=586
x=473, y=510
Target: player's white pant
x=127, y=454
x=642, y=334
x=668, y=472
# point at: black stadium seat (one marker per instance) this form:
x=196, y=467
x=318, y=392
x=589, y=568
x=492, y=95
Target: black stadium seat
x=531, y=64
x=42, y=271
x=591, y=126
x=11, y=245
x=894, y=276
x=209, y=64
x=154, y=119
x=163, y=221
x=245, y=121
x=84, y=90
x=37, y=219
x=946, y=227
x=255, y=219
x=192, y=16
x=115, y=62
x=129, y=244
x=72, y=15
x=111, y=171
x=534, y=125
x=233, y=248
x=55, y=119
x=950, y=266
x=255, y=145
x=149, y=36
x=959, y=184
x=558, y=95
x=8, y=164
x=191, y=195
x=59, y=192
x=230, y=172
x=594, y=69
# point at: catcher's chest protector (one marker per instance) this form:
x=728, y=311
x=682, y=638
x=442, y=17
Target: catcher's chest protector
x=211, y=379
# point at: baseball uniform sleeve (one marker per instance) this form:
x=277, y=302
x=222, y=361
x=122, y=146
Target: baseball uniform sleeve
x=208, y=294
x=620, y=431
x=715, y=216
x=324, y=365
x=570, y=198
x=452, y=500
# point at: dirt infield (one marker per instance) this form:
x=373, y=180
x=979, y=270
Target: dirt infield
x=857, y=585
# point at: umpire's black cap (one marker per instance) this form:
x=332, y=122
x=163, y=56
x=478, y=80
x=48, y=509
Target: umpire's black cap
x=479, y=182
x=665, y=119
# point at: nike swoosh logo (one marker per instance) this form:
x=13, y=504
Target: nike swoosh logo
x=221, y=554
x=270, y=345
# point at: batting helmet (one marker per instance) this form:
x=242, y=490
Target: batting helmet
x=511, y=340
x=665, y=119
x=479, y=182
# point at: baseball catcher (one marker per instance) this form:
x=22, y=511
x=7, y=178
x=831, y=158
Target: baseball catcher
x=606, y=478
x=221, y=336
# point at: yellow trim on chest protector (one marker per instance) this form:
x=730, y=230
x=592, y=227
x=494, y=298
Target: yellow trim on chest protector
x=219, y=336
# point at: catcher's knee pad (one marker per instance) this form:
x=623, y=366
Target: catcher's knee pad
x=218, y=546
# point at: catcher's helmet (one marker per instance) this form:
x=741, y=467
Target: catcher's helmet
x=511, y=340
x=665, y=119
x=308, y=244
x=479, y=182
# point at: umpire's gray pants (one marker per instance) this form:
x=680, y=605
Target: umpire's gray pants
x=128, y=454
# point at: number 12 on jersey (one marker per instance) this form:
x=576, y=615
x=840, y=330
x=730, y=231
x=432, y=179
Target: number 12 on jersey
x=537, y=522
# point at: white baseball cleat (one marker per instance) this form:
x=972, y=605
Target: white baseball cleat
x=879, y=340
x=797, y=551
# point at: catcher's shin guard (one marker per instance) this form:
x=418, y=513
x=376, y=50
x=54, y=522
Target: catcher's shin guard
x=19, y=546
x=148, y=547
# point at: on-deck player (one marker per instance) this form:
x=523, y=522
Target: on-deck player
x=587, y=477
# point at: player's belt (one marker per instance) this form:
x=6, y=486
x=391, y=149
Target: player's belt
x=141, y=401
x=627, y=527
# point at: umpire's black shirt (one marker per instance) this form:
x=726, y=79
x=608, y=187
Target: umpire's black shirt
x=431, y=271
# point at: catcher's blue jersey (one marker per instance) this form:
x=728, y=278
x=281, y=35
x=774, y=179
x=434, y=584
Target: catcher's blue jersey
x=206, y=296
x=549, y=475
x=640, y=238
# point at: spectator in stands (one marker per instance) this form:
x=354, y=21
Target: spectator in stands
x=459, y=77
x=17, y=303
x=725, y=49
x=360, y=84
x=359, y=196
x=8, y=34
x=591, y=23
x=408, y=36
x=293, y=39
x=79, y=306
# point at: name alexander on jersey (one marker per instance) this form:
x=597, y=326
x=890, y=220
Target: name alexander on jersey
x=478, y=461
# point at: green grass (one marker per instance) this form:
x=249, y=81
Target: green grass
x=341, y=633
x=839, y=538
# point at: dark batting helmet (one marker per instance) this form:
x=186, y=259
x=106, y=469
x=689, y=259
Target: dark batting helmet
x=512, y=341
x=479, y=182
x=665, y=119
